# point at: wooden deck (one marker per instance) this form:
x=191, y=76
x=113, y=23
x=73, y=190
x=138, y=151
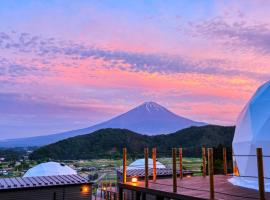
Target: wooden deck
x=195, y=188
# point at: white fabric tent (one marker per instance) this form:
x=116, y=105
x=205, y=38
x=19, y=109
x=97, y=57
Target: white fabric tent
x=49, y=169
x=253, y=131
x=139, y=164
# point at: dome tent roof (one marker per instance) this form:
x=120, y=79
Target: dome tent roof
x=49, y=169
x=252, y=131
x=139, y=164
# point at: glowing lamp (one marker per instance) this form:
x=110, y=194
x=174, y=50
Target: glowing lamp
x=85, y=189
x=188, y=176
x=134, y=179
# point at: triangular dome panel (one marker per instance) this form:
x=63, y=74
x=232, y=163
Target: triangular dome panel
x=253, y=131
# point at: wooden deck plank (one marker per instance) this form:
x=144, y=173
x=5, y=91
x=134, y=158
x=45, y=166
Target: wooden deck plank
x=198, y=187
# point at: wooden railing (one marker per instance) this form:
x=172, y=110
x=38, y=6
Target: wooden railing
x=205, y=161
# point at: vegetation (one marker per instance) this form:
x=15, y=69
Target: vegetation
x=108, y=143
x=12, y=154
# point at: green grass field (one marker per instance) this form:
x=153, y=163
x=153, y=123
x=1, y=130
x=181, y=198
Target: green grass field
x=105, y=167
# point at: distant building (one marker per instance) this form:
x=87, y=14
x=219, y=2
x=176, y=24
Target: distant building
x=25, y=157
x=64, y=187
x=46, y=181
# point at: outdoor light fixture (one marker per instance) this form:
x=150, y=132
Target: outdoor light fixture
x=134, y=179
x=85, y=189
x=104, y=188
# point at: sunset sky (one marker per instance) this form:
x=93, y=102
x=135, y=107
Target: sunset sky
x=70, y=64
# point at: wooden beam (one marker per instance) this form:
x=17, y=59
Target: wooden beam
x=260, y=173
x=146, y=178
x=124, y=165
x=225, y=160
x=154, y=158
x=181, y=162
x=204, y=161
x=159, y=197
x=211, y=172
x=174, y=170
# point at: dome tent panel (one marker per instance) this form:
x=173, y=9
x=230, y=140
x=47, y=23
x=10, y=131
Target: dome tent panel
x=139, y=164
x=252, y=132
x=49, y=169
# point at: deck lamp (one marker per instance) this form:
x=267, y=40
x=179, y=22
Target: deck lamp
x=134, y=179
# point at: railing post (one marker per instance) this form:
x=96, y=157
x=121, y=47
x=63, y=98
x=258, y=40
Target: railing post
x=120, y=193
x=211, y=172
x=174, y=170
x=146, y=167
x=124, y=165
x=154, y=158
x=107, y=195
x=204, y=161
x=110, y=185
x=260, y=173
x=181, y=162
x=225, y=160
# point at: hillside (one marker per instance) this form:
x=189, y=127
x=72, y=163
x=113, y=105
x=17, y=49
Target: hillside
x=148, y=118
x=111, y=141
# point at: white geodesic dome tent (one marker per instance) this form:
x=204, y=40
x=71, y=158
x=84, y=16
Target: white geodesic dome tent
x=49, y=169
x=139, y=164
x=252, y=131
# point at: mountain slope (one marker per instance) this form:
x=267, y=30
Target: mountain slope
x=149, y=118
x=102, y=142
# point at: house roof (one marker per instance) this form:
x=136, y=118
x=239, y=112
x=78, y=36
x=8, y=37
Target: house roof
x=159, y=171
x=40, y=181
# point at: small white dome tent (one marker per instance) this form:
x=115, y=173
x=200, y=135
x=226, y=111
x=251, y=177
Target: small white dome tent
x=49, y=169
x=139, y=164
x=252, y=131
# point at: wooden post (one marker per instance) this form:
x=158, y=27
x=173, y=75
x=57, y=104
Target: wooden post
x=260, y=173
x=204, y=161
x=225, y=160
x=181, y=162
x=102, y=190
x=174, y=170
x=124, y=165
x=107, y=195
x=138, y=196
x=120, y=193
x=143, y=196
x=211, y=172
x=110, y=185
x=146, y=167
x=154, y=158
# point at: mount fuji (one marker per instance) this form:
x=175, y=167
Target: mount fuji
x=148, y=118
